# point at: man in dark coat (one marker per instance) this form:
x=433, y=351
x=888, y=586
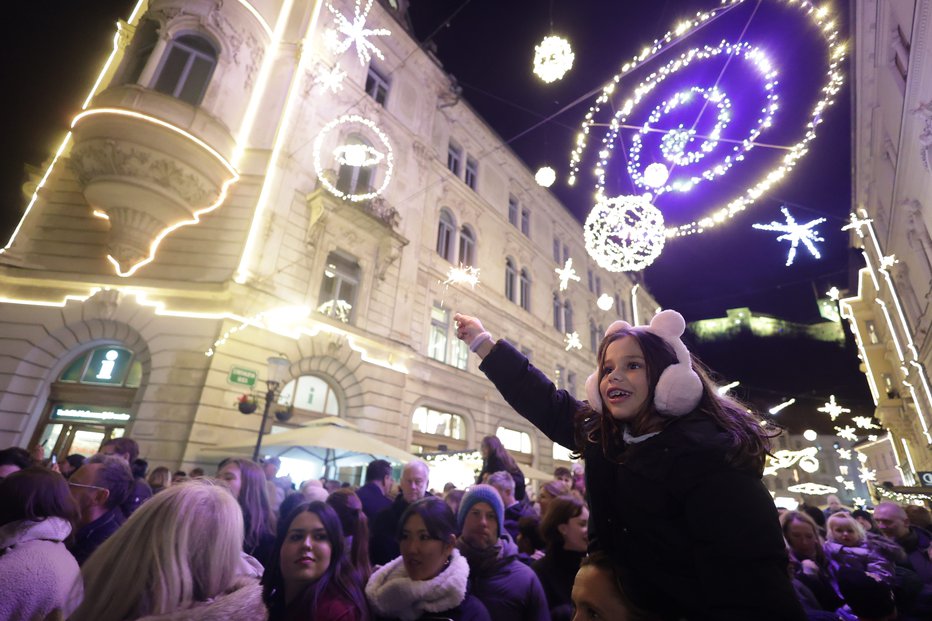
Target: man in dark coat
x=98, y=487
x=894, y=524
x=374, y=494
x=128, y=450
x=383, y=536
x=514, y=510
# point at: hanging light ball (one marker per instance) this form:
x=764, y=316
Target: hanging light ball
x=553, y=57
x=810, y=435
x=545, y=177
x=624, y=234
x=656, y=175
x=605, y=302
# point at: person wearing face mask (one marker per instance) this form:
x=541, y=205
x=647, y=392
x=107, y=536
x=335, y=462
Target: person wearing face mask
x=565, y=529
x=428, y=581
x=666, y=457
x=310, y=575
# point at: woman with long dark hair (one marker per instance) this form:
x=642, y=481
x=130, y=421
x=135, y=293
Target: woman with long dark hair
x=673, y=471
x=246, y=481
x=495, y=458
x=309, y=575
x=565, y=530
x=355, y=527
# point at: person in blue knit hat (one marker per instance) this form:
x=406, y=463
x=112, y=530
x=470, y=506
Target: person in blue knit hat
x=509, y=589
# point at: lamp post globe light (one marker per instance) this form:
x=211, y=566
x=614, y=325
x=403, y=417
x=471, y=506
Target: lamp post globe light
x=277, y=370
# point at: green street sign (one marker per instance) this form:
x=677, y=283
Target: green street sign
x=242, y=377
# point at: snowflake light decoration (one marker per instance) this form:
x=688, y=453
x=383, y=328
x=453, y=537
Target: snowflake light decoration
x=872, y=438
x=846, y=433
x=572, y=341
x=545, y=176
x=812, y=489
x=833, y=409
x=566, y=274
x=339, y=154
x=862, y=458
x=553, y=57
x=795, y=233
x=605, y=302
x=844, y=453
x=866, y=474
x=355, y=33
x=849, y=486
x=330, y=78
x=462, y=275
x=624, y=234
x=858, y=501
x=864, y=422
x=822, y=22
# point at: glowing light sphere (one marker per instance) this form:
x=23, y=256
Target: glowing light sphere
x=810, y=435
x=345, y=154
x=553, y=57
x=822, y=22
x=545, y=177
x=656, y=175
x=624, y=234
x=605, y=302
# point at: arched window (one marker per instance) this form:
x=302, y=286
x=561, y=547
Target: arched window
x=139, y=51
x=467, y=246
x=186, y=69
x=310, y=396
x=567, y=317
x=338, y=287
x=354, y=178
x=510, y=274
x=436, y=430
x=446, y=229
x=525, y=289
x=557, y=311
x=518, y=443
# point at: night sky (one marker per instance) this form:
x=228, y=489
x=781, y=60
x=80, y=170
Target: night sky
x=488, y=46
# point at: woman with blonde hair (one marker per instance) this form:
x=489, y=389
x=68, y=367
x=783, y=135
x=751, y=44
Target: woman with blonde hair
x=178, y=558
x=847, y=547
x=160, y=479
x=246, y=481
x=549, y=491
x=807, y=557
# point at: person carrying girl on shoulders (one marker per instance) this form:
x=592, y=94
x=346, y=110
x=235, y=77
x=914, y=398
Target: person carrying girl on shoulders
x=673, y=472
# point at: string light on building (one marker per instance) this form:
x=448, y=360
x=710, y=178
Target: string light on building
x=605, y=302
x=846, y=433
x=900, y=497
x=795, y=233
x=624, y=234
x=343, y=152
x=553, y=57
x=833, y=409
x=572, y=341
x=812, y=489
x=348, y=33
x=545, y=176
x=566, y=274
x=834, y=77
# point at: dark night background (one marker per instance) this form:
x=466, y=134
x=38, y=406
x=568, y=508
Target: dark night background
x=55, y=51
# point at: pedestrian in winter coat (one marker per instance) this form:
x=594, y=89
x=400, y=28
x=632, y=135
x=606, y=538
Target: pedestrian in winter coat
x=509, y=589
x=496, y=459
x=428, y=581
x=667, y=458
x=383, y=534
x=37, y=572
x=807, y=555
x=564, y=528
x=894, y=524
x=847, y=547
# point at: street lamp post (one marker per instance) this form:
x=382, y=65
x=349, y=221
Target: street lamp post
x=277, y=368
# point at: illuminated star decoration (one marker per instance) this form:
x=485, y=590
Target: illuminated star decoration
x=888, y=261
x=858, y=501
x=866, y=474
x=330, y=78
x=356, y=34
x=566, y=274
x=862, y=458
x=795, y=233
x=864, y=422
x=572, y=341
x=855, y=223
x=553, y=57
x=833, y=409
x=847, y=433
x=872, y=438
x=849, y=485
x=844, y=453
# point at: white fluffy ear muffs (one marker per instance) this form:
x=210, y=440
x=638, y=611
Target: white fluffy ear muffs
x=679, y=388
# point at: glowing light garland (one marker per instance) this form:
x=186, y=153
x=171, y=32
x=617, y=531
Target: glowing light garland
x=355, y=33
x=624, y=234
x=566, y=274
x=342, y=149
x=553, y=57
x=795, y=233
x=833, y=82
x=833, y=409
x=572, y=341
x=545, y=177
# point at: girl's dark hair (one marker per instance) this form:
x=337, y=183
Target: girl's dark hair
x=355, y=524
x=339, y=579
x=529, y=533
x=750, y=442
x=35, y=493
x=437, y=516
x=499, y=458
x=560, y=511
x=258, y=517
x=604, y=562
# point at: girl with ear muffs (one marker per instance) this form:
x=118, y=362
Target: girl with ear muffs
x=673, y=472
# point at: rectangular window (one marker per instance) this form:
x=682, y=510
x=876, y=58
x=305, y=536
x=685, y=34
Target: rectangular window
x=338, y=287
x=598, y=285
x=591, y=282
x=454, y=158
x=472, y=172
x=571, y=383
x=513, y=211
x=566, y=253
x=442, y=346
x=526, y=222
x=560, y=377
x=377, y=85
x=556, y=249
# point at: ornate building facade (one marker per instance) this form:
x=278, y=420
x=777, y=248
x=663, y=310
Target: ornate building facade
x=246, y=181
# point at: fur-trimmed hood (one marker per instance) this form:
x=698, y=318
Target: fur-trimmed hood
x=242, y=604
x=392, y=593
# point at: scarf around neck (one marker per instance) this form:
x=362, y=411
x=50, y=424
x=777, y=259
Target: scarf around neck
x=392, y=593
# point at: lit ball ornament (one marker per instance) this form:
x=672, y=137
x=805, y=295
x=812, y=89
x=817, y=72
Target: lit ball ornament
x=545, y=177
x=553, y=57
x=624, y=234
x=655, y=175
x=605, y=302
x=355, y=155
x=810, y=435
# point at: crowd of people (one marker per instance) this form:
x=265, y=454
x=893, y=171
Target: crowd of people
x=664, y=518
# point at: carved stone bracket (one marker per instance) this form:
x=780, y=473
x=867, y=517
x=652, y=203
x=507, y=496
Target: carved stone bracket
x=924, y=112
